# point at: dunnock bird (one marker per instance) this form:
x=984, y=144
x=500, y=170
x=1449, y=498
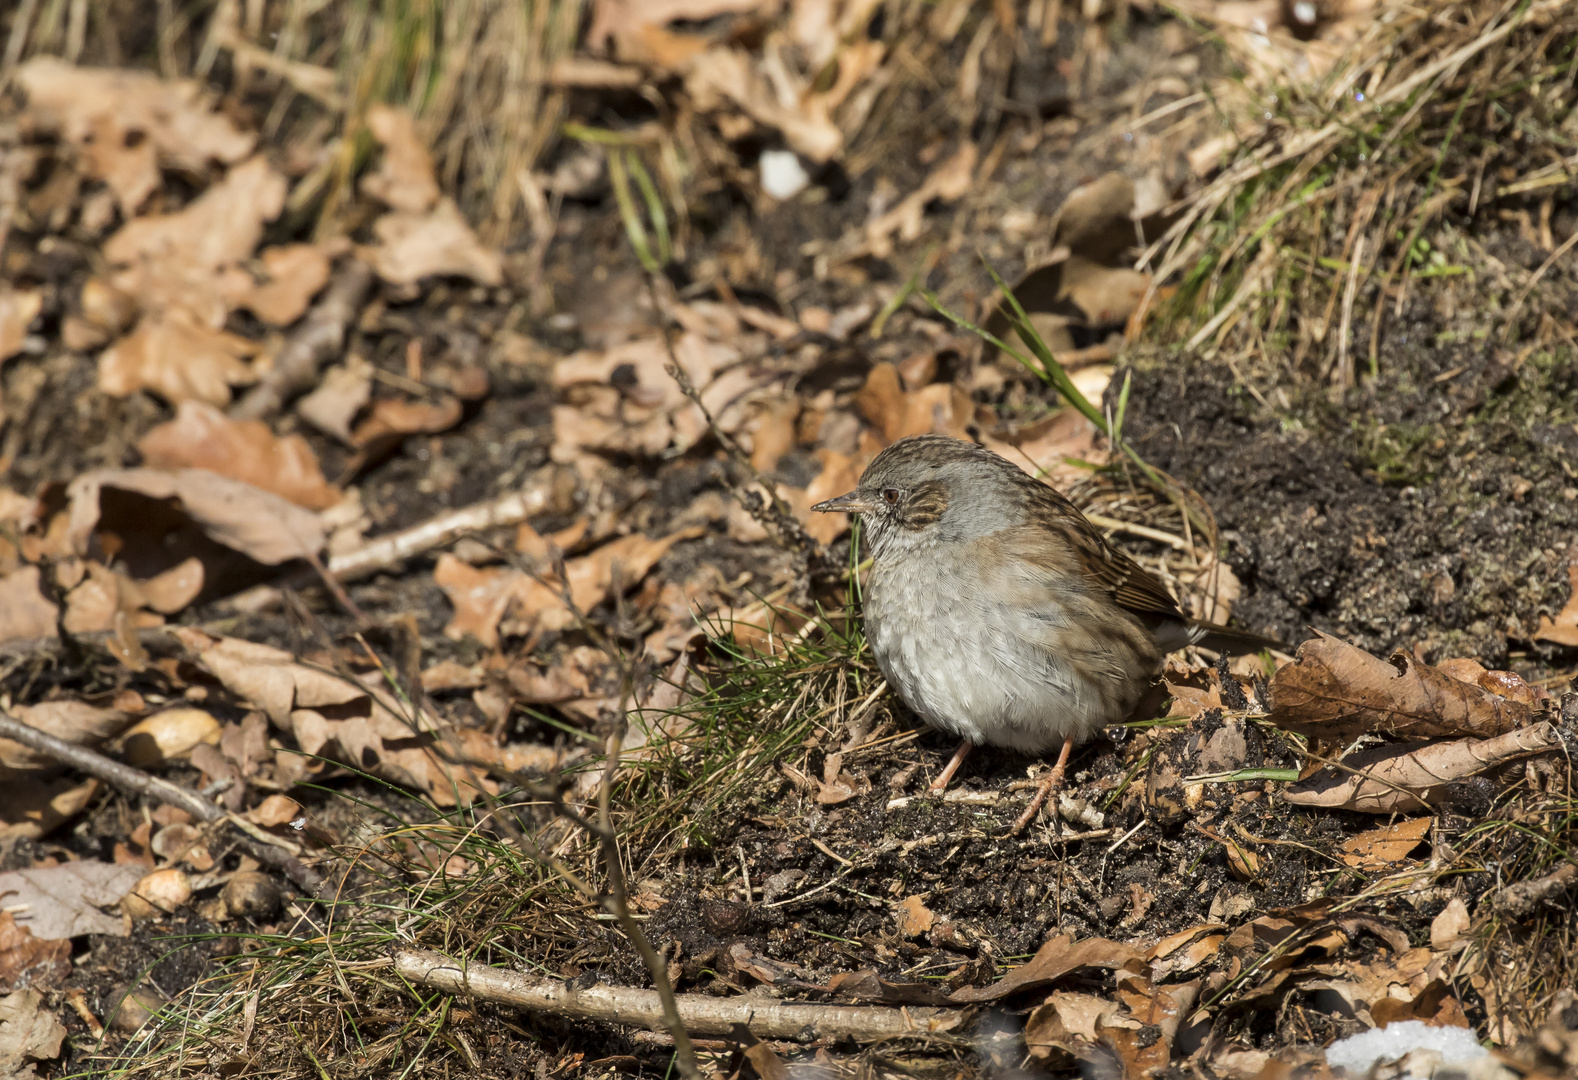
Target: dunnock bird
x=999, y=613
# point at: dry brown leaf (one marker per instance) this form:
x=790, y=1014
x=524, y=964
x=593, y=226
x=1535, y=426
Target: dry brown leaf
x=1412, y=984
x=915, y=918
x=34, y=807
x=178, y=359
x=886, y=406
x=257, y=523
x=77, y=722
x=1449, y=927
x=438, y=242
x=57, y=903
x=18, y=309
x=1065, y=1021
x=168, y=735
x=109, y=308
x=202, y=437
x=26, y=962
x=404, y=179
x=838, y=786
x=839, y=476
x=950, y=180
x=364, y=727
x=174, y=260
x=292, y=276
x=1388, y=844
x=127, y=123
x=772, y=433
x=1057, y=958
x=1411, y=776
x=1336, y=691
x=395, y=418
x=91, y=607
x=25, y=612
x=726, y=75
x=341, y=394
x=622, y=399
x=624, y=23
x=482, y=597
x=1563, y=629
x=170, y=591
x=1106, y=295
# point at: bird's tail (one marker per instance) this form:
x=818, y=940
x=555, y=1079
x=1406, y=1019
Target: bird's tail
x=1232, y=642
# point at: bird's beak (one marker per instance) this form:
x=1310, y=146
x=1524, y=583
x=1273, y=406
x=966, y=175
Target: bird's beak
x=852, y=503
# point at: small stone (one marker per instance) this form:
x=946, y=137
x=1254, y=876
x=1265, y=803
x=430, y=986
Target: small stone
x=251, y=895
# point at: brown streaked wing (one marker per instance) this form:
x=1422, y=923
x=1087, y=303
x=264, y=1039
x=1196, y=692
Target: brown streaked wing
x=1130, y=584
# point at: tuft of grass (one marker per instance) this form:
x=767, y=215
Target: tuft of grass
x=318, y=991
x=1331, y=207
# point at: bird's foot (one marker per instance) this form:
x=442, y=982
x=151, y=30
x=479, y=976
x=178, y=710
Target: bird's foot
x=944, y=778
x=1053, y=781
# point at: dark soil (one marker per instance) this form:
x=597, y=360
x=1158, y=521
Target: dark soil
x=1429, y=509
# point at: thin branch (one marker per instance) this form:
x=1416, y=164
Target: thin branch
x=319, y=339
x=135, y=782
x=701, y=1014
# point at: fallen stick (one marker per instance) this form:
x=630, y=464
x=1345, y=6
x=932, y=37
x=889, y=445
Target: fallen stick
x=701, y=1014
x=135, y=782
x=318, y=340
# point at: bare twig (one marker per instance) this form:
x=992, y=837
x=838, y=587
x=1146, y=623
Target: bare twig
x=136, y=782
x=775, y=515
x=700, y=1013
x=319, y=339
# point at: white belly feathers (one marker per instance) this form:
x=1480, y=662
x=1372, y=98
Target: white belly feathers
x=998, y=688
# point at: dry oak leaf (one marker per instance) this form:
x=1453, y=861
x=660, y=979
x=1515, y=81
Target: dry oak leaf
x=940, y=407
x=77, y=722
x=395, y=418
x=915, y=918
x=482, y=597
x=128, y=123
x=341, y=394
x=271, y=679
x=18, y=309
x=34, y=807
x=413, y=246
x=334, y=717
x=244, y=518
x=28, y=963
x=1067, y=1021
x=404, y=179
x=62, y=902
x=202, y=437
x=1378, y=848
x=292, y=274
x=1410, y=776
x=178, y=358
x=177, y=260
x=28, y=1034
x=1336, y=691
x=623, y=22
x=726, y=74
x=25, y=612
x=1057, y=958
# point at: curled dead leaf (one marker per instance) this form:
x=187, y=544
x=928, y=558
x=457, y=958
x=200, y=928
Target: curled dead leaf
x=1336, y=691
x=202, y=437
x=1412, y=776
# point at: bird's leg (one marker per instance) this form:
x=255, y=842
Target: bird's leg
x=1049, y=783
x=939, y=785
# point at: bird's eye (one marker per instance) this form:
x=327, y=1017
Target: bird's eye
x=890, y=495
